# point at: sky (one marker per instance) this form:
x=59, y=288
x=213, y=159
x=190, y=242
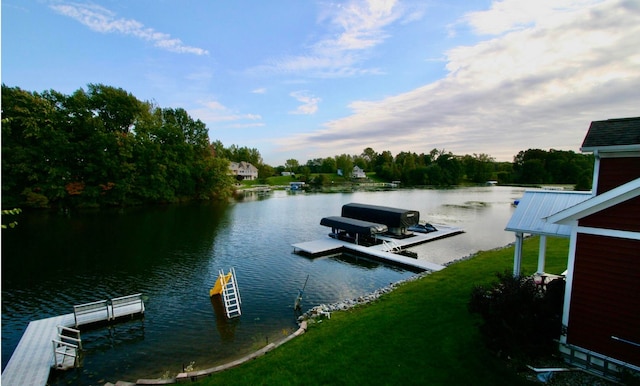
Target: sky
x=315, y=79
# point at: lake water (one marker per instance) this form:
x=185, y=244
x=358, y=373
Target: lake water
x=172, y=255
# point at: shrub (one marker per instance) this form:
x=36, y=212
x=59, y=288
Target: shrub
x=520, y=318
x=35, y=200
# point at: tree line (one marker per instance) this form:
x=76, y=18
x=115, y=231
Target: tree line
x=102, y=146
x=443, y=168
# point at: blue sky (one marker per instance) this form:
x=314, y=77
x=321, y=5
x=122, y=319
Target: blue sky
x=313, y=79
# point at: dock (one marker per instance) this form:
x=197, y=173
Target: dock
x=380, y=252
x=38, y=350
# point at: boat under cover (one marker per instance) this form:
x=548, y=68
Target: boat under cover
x=353, y=225
x=391, y=217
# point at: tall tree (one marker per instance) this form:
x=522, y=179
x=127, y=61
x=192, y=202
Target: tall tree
x=103, y=147
x=292, y=165
x=345, y=163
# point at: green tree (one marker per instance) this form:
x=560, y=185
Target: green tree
x=292, y=165
x=328, y=165
x=479, y=167
x=369, y=156
x=103, y=147
x=344, y=162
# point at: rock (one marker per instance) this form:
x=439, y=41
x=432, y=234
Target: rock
x=324, y=310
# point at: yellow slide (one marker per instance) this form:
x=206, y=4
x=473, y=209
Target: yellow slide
x=222, y=281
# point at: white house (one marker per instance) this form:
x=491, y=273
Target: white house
x=244, y=169
x=358, y=173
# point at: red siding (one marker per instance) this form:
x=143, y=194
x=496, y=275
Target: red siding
x=624, y=216
x=617, y=171
x=605, y=298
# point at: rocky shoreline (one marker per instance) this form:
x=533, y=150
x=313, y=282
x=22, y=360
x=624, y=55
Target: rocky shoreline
x=325, y=310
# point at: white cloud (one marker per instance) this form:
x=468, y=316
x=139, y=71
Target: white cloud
x=102, y=20
x=309, y=102
x=509, y=15
x=354, y=28
x=216, y=113
x=539, y=84
x=261, y=90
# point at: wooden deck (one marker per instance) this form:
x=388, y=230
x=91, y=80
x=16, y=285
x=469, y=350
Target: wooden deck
x=330, y=245
x=33, y=357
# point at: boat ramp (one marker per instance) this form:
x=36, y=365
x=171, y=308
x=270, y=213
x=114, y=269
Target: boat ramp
x=55, y=342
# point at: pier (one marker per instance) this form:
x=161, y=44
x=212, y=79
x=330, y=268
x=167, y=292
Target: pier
x=383, y=251
x=43, y=346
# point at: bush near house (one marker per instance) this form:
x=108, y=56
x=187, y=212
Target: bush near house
x=521, y=319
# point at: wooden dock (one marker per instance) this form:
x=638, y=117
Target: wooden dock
x=330, y=245
x=33, y=358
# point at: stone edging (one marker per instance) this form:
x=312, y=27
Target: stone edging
x=325, y=310
x=195, y=375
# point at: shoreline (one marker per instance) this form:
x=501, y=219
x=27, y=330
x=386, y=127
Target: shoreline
x=325, y=310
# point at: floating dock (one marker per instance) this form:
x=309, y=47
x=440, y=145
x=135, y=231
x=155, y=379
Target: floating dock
x=33, y=358
x=380, y=252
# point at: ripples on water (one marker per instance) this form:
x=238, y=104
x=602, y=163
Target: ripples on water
x=172, y=255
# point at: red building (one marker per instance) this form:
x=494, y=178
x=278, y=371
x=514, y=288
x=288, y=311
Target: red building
x=601, y=317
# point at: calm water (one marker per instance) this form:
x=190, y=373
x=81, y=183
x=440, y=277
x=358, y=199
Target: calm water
x=172, y=255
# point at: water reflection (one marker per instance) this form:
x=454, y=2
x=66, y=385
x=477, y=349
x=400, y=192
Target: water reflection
x=226, y=327
x=173, y=254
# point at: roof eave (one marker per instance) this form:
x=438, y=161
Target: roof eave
x=611, y=149
x=537, y=233
x=597, y=203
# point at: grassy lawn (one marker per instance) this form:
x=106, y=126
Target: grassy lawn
x=421, y=333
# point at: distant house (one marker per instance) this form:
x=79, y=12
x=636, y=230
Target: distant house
x=358, y=173
x=601, y=315
x=244, y=169
x=288, y=174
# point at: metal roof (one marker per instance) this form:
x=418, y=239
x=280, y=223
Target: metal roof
x=600, y=202
x=536, y=205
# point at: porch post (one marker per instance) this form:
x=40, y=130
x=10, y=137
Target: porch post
x=542, y=253
x=568, y=287
x=517, y=254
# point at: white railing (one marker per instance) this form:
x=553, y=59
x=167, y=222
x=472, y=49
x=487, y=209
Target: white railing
x=66, y=348
x=108, y=310
x=391, y=246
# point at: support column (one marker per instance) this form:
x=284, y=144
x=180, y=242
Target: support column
x=568, y=287
x=517, y=254
x=542, y=253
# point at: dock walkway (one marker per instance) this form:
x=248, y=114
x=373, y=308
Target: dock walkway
x=330, y=245
x=33, y=357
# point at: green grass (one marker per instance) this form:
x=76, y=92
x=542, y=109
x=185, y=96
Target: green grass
x=421, y=333
x=280, y=180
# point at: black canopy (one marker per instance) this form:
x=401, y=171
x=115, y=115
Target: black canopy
x=391, y=217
